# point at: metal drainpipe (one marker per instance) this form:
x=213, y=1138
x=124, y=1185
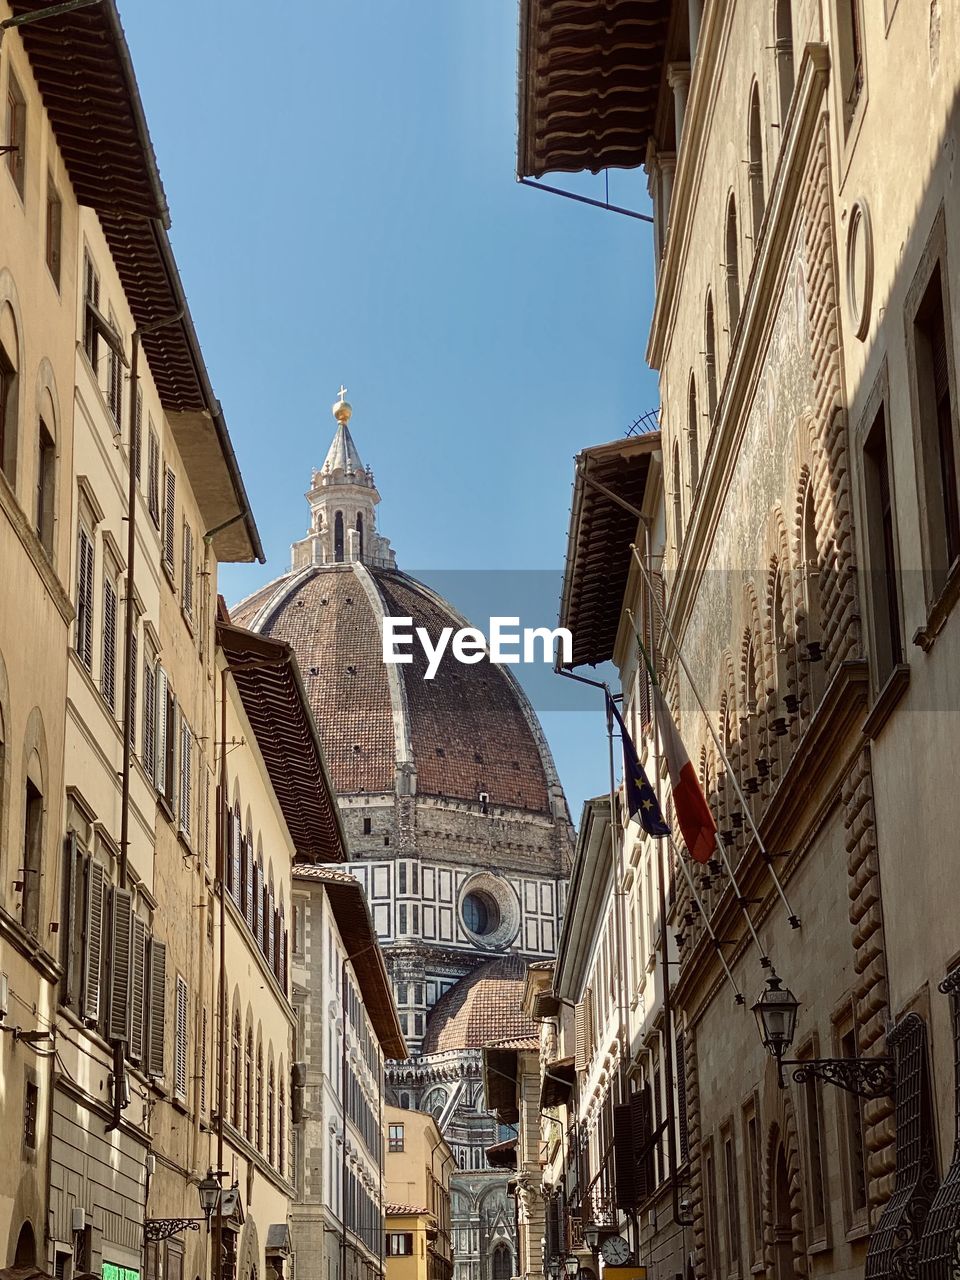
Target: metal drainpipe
x=222, y=854
x=343, y=1121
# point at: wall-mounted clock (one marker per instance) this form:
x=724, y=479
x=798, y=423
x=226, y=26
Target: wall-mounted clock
x=615, y=1251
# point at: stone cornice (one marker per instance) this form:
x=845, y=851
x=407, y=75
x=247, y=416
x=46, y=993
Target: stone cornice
x=753, y=331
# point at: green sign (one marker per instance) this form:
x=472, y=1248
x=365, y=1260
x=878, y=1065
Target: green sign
x=110, y=1271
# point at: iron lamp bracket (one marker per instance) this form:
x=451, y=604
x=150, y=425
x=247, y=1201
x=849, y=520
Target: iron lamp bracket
x=864, y=1077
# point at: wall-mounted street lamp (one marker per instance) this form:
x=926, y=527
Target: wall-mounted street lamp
x=209, y=1190
x=553, y=1269
x=571, y=1265
x=776, y=1013
x=591, y=1236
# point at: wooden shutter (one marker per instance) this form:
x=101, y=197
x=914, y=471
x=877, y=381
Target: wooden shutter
x=203, y=1059
x=580, y=1052
x=138, y=989
x=85, y=568
x=188, y=569
x=160, y=717
x=589, y=1044
x=136, y=434
x=108, y=675
x=271, y=927
x=680, y=1071
x=258, y=894
x=624, y=1167
x=133, y=690
x=236, y=857
x=170, y=737
x=180, y=1041
x=284, y=960
x=157, y=1013
x=148, y=745
x=250, y=905
x=120, y=964
x=93, y=940
x=153, y=477
x=644, y=1140
x=70, y=904
x=228, y=860
x=169, y=514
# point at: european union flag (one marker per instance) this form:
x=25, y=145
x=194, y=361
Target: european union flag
x=642, y=803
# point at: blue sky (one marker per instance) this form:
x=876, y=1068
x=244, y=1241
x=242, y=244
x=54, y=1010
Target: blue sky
x=341, y=180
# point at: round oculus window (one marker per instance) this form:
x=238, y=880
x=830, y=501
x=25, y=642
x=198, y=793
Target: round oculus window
x=481, y=915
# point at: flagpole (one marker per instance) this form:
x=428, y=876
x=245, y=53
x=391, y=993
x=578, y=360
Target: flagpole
x=792, y=917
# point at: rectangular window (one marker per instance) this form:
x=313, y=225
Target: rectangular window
x=934, y=379
x=31, y=1101
x=169, y=516
x=115, y=383
x=54, y=230
x=148, y=740
x=186, y=777
x=814, y=1138
x=751, y=1137
x=83, y=636
x=712, y=1233
x=399, y=1244
x=881, y=551
x=732, y=1197
x=395, y=1137
x=187, y=589
x=91, y=320
x=16, y=132
x=153, y=476
x=851, y=1118
x=180, y=1042
x=108, y=668
x=850, y=40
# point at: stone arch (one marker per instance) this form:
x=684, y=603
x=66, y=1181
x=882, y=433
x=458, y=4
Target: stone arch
x=11, y=340
x=783, y=1220
x=248, y=1252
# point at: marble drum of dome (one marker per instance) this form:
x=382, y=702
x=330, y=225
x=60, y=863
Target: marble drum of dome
x=490, y=911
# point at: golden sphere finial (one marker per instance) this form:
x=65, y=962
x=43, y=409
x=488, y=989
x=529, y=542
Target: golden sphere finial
x=341, y=410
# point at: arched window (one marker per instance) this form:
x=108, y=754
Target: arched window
x=259, y=894
x=259, y=1099
x=781, y=671
x=733, y=266
x=32, y=848
x=750, y=735
x=338, y=537
x=271, y=1112
x=710, y=358
x=677, y=498
x=755, y=168
x=46, y=482
x=235, y=1071
x=25, y=1254
x=784, y=47
x=693, y=439
x=235, y=860
x=282, y=1123
x=9, y=393
x=502, y=1266
x=360, y=534
x=248, y=1087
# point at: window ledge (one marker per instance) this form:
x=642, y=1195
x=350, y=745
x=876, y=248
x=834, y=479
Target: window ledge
x=39, y=557
x=29, y=946
x=860, y=1232
x=819, y=1246
x=893, y=690
x=165, y=807
x=925, y=637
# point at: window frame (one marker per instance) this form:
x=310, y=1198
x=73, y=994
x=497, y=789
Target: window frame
x=811, y=1105
x=16, y=134
x=731, y=1199
x=856, y=1216
x=53, y=232
x=753, y=1165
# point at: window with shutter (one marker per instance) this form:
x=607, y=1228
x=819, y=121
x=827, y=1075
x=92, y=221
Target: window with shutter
x=119, y=964
x=157, y=1010
x=138, y=979
x=180, y=1041
x=169, y=515
x=187, y=595
x=644, y=1141
x=71, y=933
x=228, y=860
x=148, y=753
x=258, y=896
x=108, y=670
x=624, y=1164
x=170, y=790
x=85, y=564
x=203, y=1060
x=680, y=1067
x=93, y=941
x=186, y=777
x=236, y=856
x=91, y=329
x=153, y=476
x=133, y=691
x=271, y=927
x=580, y=1051
x=250, y=905
x=245, y=856
x=160, y=720
x=115, y=380
x=137, y=435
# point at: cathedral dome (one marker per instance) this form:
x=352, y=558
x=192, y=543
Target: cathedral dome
x=469, y=734
x=483, y=1008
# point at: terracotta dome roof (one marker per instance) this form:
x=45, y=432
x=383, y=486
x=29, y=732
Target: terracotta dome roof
x=483, y=1008
x=467, y=731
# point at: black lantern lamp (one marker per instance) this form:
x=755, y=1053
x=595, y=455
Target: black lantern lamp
x=553, y=1269
x=571, y=1265
x=163, y=1228
x=591, y=1236
x=776, y=1012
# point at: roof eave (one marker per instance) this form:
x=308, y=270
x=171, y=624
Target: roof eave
x=589, y=879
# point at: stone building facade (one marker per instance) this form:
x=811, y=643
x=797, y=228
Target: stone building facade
x=804, y=231
x=456, y=822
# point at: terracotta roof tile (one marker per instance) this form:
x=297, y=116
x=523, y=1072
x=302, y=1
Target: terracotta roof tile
x=483, y=1008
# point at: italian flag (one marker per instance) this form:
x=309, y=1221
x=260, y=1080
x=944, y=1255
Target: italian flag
x=690, y=808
